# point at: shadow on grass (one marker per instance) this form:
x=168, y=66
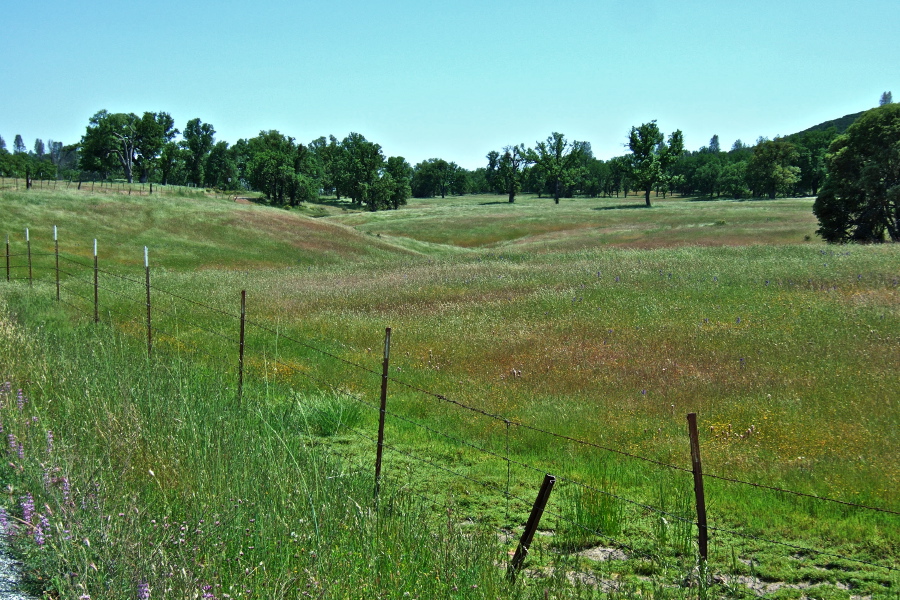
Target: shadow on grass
x=621, y=206
x=490, y=203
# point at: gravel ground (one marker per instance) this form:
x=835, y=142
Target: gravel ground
x=9, y=578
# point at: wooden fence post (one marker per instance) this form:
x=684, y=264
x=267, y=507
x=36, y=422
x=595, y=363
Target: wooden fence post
x=96, y=286
x=702, y=537
x=241, y=346
x=149, y=327
x=384, y=383
x=531, y=526
x=7, y=257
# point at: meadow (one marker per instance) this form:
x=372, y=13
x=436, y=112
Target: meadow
x=577, y=337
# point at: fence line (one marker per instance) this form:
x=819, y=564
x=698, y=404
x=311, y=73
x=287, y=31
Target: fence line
x=441, y=397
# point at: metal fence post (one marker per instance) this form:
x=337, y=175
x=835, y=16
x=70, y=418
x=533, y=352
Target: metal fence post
x=28, y=245
x=7, y=257
x=240, y=393
x=531, y=526
x=96, y=286
x=384, y=383
x=56, y=253
x=149, y=327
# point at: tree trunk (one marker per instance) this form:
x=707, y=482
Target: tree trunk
x=512, y=197
x=647, y=196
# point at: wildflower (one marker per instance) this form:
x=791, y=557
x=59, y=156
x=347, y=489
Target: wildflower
x=49, y=442
x=27, y=507
x=4, y=521
x=43, y=523
x=143, y=591
x=21, y=399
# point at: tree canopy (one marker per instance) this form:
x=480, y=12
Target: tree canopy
x=860, y=200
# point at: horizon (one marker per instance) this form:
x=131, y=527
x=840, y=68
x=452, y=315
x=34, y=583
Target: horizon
x=452, y=82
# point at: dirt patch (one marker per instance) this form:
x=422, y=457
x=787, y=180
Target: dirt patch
x=601, y=554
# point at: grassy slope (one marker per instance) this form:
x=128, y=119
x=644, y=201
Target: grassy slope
x=792, y=337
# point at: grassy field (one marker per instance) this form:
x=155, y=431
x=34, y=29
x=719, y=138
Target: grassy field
x=595, y=319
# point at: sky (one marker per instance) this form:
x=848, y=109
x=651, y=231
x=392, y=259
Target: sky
x=453, y=79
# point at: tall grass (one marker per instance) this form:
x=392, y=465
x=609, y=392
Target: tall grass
x=787, y=352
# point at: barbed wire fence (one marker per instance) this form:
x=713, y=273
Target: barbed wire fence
x=592, y=513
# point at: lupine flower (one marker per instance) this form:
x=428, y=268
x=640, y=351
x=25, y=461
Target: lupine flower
x=43, y=523
x=21, y=400
x=143, y=591
x=27, y=507
x=49, y=442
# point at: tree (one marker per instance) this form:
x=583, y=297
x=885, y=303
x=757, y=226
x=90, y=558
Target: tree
x=771, y=169
x=860, y=199
x=278, y=167
x=714, y=144
x=399, y=174
x=152, y=132
x=557, y=158
x=2, y=143
x=219, y=171
x=357, y=169
x=109, y=142
x=651, y=157
x=39, y=149
x=19, y=145
x=886, y=98
x=507, y=170
x=198, y=141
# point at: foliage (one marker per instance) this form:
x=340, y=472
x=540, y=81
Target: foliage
x=770, y=170
x=860, y=200
x=198, y=141
x=651, y=157
x=507, y=171
x=557, y=159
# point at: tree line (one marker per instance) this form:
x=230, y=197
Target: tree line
x=810, y=163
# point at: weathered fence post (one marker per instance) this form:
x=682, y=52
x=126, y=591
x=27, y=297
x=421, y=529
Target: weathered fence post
x=384, y=383
x=240, y=393
x=531, y=526
x=7, y=257
x=702, y=537
x=28, y=246
x=56, y=253
x=96, y=286
x=149, y=327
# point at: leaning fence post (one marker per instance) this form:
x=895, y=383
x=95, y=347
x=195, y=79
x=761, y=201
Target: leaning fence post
x=240, y=393
x=384, y=383
x=702, y=538
x=56, y=253
x=149, y=328
x=28, y=245
x=531, y=526
x=96, y=286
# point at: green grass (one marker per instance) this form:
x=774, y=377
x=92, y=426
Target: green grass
x=587, y=319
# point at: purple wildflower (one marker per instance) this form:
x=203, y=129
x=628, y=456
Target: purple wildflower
x=21, y=400
x=43, y=523
x=27, y=507
x=143, y=591
x=49, y=442
x=4, y=521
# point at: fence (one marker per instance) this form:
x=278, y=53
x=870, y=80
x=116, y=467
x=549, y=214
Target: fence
x=98, y=185
x=81, y=284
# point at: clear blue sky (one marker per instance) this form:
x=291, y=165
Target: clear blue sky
x=451, y=79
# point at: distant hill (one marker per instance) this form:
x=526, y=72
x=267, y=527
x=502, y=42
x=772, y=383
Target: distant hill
x=840, y=124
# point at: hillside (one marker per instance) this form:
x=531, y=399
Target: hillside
x=840, y=124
